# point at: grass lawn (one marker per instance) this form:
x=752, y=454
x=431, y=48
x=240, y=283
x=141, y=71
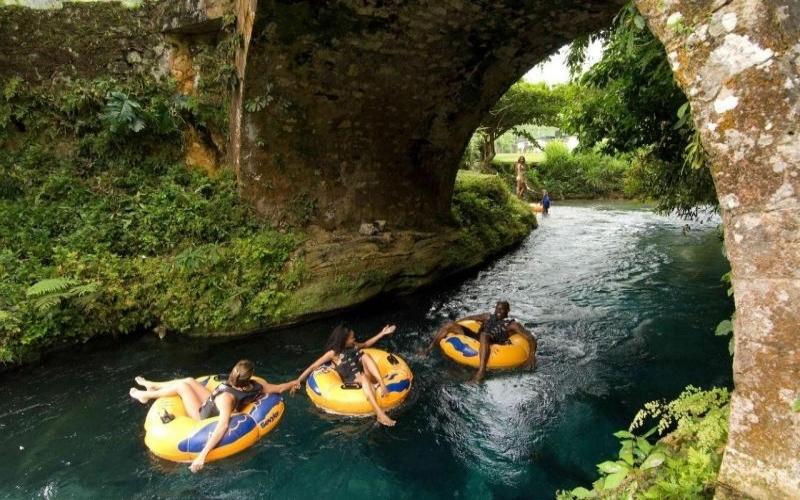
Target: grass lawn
x=535, y=157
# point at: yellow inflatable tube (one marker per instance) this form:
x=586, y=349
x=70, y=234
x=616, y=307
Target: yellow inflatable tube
x=182, y=438
x=324, y=387
x=464, y=349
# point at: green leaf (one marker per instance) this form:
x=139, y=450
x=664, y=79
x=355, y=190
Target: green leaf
x=137, y=125
x=653, y=461
x=614, y=480
x=725, y=327
x=624, y=434
x=644, y=445
x=46, y=302
x=796, y=405
x=582, y=492
x=650, y=432
x=626, y=454
x=731, y=346
x=639, y=22
x=683, y=109
x=609, y=467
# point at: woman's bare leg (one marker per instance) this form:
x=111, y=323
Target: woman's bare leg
x=383, y=418
x=372, y=372
x=182, y=388
x=151, y=385
x=197, y=387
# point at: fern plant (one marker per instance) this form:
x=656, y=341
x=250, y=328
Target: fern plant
x=50, y=292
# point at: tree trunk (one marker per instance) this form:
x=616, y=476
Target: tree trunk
x=487, y=152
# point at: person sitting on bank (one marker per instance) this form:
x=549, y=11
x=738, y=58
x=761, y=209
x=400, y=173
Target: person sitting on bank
x=200, y=403
x=496, y=328
x=545, y=202
x=354, y=365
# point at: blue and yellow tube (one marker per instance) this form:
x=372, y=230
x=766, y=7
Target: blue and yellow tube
x=464, y=349
x=182, y=438
x=326, y=390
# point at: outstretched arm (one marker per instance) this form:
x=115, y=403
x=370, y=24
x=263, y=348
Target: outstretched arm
x=225, y=406
x=387, y=330
x=328, y=356
x=279, y=388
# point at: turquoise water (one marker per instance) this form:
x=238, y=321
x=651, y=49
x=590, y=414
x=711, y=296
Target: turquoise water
x=624, y=306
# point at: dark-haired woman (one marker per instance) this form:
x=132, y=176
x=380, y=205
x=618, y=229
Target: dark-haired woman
x=200, y=403
x=354, y=365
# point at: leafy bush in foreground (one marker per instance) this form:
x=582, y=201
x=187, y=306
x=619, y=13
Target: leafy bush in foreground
x=683, y=464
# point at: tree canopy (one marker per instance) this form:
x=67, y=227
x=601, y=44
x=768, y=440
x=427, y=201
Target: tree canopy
x=629, y=103
x=523, y=104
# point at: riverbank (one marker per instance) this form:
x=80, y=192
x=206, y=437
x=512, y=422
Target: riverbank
x=106, y=245
x=572, y=175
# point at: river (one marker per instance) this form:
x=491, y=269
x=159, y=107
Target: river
x=624, y=305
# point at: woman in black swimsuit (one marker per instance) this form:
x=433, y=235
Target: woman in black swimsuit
x=200, y=403
x=353, y=365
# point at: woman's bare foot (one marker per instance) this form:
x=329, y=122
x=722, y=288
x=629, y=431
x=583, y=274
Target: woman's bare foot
x=385, y=420
x=144, y=383
x=137, y=394
x=384, y=391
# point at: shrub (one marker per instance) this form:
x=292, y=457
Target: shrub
x=103, y=231
x=684, y=464
x=578, y=175
x=490, y=216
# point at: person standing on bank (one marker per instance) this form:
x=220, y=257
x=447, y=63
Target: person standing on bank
x=519, y=168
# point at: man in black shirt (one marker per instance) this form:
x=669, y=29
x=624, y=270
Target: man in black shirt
x=496, y=328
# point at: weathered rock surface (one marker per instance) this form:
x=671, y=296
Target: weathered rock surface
x=739, y=63
x=349, y=269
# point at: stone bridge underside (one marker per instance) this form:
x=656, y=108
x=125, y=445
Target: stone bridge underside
x=356, y=111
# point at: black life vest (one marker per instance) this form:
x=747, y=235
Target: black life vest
x=242, y=397
x=496, y=328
